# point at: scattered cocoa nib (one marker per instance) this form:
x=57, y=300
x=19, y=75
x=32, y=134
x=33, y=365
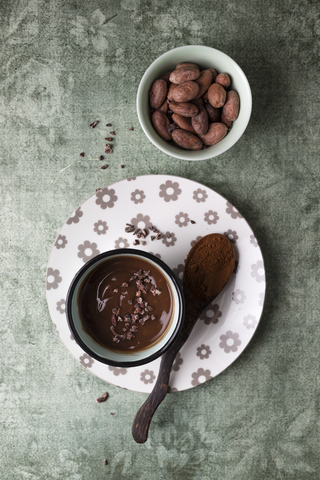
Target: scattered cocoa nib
x=121, y=166
x=98, y=189
x=106, y=462
x=104, y=167
x=109, y=125
x=136, y=242
x=143, y=242
x=129, y=228
x=131, y=128
x=129, y=323
x=153, y=237
x=109, y=139
x=101, y=157
x=94, y=124
x=193, y=222
x=159, y=235
x=82, y=154
x=103, y=398
x=112, y=133
x=108, y=151
x=168, y=235
x=112, y=413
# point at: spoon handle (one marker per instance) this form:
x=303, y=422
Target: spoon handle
x=145, y=413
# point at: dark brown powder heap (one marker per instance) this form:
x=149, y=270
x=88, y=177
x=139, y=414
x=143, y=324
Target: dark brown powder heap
x=209, y=266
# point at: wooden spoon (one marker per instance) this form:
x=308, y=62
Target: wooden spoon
x=200, y=286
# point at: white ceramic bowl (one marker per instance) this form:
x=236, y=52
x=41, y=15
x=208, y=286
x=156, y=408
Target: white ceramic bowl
x=119, y=358
x=205, y=57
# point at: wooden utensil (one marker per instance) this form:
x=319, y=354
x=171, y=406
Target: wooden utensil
x=194, y=307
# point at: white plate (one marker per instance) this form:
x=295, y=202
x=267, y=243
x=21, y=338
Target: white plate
x=188, y=210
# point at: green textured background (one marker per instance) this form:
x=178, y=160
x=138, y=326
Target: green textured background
x=66, y=63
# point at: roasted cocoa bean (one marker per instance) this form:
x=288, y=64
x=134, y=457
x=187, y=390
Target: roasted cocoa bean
x=184, y=74
x=217, y=131
x=161, y=124
x=158, y=93
x=186, y=140
x=185, y=109
x=185, y=92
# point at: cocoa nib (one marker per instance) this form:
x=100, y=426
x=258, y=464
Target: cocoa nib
x=104, y=167
x=109, y=139
x=103, y=398
x=112, y=133
x=82, y=154
x=101, y=157
x=94, y=124
x=109, y=125
x=131, y=128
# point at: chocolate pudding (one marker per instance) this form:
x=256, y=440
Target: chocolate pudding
x=125, y=303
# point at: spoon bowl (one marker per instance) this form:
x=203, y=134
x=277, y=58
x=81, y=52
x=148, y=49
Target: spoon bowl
x=200, y=287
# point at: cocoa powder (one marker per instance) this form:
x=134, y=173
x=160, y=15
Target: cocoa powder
x=209, y=266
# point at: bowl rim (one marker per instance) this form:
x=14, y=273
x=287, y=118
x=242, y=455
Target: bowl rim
x=160, y=144
x=125, y=251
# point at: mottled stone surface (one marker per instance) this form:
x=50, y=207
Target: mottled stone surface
x=64, y=64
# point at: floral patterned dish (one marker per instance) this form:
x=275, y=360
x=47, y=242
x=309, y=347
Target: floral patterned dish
x=183, y=211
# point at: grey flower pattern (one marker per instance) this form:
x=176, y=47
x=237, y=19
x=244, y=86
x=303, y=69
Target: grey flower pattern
x=253, y=240
x=177, y=362
x=200, y=376
x=169, y=239
x=204, y=352
x=261, y=299
x=137, y=196
x=170, y=191
x=230, y=341
x=250, y=321
x=211, y=217
x=182, y=219
x=117, y=371
x=75, y=217
x=87, y=250
x=211, y=314
x=200, y=195
x=100, y=227
x=141, y=221
x=178, y=271
x=53, y=278
x=121, y=243
x=106, y=198
x=90, y=32
x=86, y=360
x=231, y=210
x=61, y=306
x=155, y=254
x=238, y=296
x=147, y=376
x=171, y=390
x=196, y=240
x=257, y=271
x=61, y=242
x=232, y=235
